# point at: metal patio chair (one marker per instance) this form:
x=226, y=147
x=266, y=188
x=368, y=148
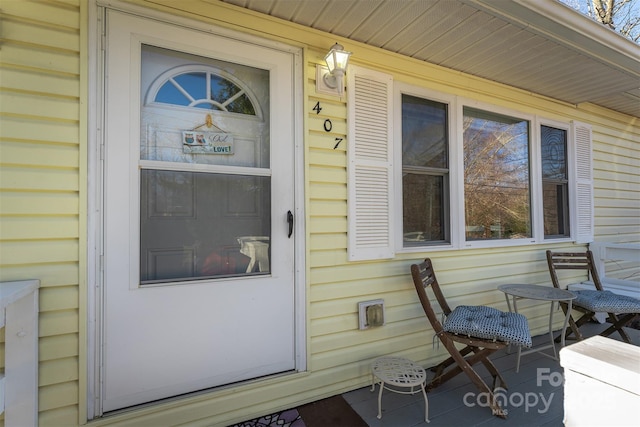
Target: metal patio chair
x=482, y=330
x=620, y=309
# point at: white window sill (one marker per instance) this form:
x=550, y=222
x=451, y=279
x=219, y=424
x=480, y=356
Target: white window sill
x=480, y=244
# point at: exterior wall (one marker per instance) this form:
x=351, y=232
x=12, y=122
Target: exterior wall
x=43, y=184
x=616, y=153
x=42, y=180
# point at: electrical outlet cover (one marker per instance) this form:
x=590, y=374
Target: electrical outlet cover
x=370, y=314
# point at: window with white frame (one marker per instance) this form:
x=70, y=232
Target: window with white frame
x=497, y=191
x=466, y=174
x=425, y=171
x=555, y=182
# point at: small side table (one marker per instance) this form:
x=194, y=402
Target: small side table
x=541, y=293
x=395, y=373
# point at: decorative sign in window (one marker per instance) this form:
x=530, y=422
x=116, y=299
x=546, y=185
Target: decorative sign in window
x=204, y=111
x=201, y=141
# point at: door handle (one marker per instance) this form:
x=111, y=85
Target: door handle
x=290, y=221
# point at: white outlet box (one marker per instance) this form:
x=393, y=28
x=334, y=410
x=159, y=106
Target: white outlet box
x=371, y=313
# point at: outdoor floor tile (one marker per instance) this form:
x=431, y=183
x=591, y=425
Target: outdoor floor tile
x=539, y=378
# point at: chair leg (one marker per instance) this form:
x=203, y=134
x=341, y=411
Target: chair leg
x=618, y=324
x=466, y=365
x=488, y=364
x=459, y=367
x=440, y=367
x=482, y=386
x=458, y=357
x=494, y=373
x=481, y=356
x=443, y=377
x=574, y=327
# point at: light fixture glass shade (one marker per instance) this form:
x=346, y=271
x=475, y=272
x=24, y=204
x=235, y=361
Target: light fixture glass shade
x=337, y=59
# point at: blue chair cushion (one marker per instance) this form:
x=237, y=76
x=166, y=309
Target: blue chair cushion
x=606, y=302
x=488, y=323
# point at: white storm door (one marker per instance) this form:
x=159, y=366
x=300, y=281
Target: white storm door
x=198, y=182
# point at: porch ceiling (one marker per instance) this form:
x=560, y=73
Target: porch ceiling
x=540, y=46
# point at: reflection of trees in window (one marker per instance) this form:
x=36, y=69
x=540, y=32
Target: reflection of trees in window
x=190, y=90
x=496, y=176
x=233, y=98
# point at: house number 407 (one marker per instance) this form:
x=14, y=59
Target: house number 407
x=328, y=125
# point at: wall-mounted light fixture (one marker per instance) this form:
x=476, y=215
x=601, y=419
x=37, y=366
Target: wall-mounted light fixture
x=329, y=79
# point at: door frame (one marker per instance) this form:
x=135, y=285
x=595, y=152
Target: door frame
x=91, y=354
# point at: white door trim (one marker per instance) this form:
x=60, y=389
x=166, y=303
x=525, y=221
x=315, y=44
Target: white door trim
x=95, y=220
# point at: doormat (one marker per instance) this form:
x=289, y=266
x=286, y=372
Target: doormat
x=288, y=418
x=334, y=412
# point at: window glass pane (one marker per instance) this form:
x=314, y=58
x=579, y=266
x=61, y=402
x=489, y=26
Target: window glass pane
x=424, y=133
x=222, y=89
x=242, y=105
x=423, y=214
x=555, y=182
x=556, y=212
x=203, y=110
x=230, y=96
x=196, y=225
x=425, y=171
x=496, y=176
x=195, y=84
x=554, y=153
x=170, y=94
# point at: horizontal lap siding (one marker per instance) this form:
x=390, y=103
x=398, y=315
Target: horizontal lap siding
x=40, y=184
x=340, y=354
x=40, y=208
x=617, y=185
x=617, y=192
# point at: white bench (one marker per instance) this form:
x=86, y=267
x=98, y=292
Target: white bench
x=602, y=383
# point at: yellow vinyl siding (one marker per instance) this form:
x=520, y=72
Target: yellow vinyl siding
x=40, y=184
x=39, y=130
x=27, y=228
x=42, y=213
x=27, y=154
x=617, y=186
x=63, y=85
x=36, y=105
x=617, y=183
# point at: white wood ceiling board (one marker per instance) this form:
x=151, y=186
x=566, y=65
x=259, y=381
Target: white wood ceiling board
x=404, y=26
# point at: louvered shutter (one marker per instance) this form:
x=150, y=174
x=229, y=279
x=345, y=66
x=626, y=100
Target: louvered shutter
x=369, y=154
x=584, y=183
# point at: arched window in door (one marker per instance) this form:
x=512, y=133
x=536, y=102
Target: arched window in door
x=203, y=87
x=182, y=93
